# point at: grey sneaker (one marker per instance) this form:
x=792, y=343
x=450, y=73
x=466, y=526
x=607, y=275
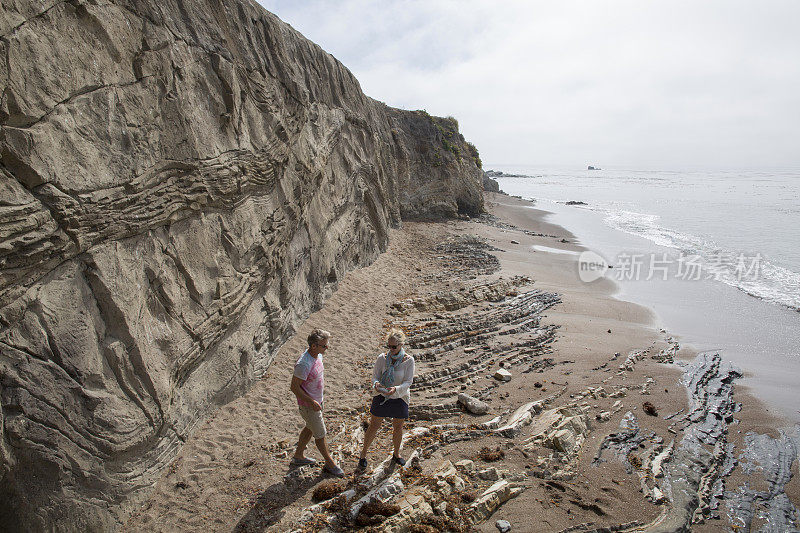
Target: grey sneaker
x=333, y=470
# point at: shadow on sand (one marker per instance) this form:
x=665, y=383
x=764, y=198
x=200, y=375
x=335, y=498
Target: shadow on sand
x=268, y=508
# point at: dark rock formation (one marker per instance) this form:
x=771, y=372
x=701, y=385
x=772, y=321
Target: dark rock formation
x=501, y=174
x=774, y=457
x=490, y=184
x=695, y=467
x=181, y=182
x=438, y=176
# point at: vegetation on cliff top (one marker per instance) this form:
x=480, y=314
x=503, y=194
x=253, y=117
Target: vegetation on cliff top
x=449, y=137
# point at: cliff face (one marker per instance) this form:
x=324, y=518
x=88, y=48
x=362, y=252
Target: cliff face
x=439, y=178
x=181, y=182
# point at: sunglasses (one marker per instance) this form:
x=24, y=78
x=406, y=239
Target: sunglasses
x=393, y=346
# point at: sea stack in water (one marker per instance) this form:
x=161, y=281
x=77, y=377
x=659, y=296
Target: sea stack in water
x=167, y=168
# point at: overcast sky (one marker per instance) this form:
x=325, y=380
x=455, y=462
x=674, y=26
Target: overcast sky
x=633, y=84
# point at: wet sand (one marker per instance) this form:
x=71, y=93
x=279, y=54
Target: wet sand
x=761, y=337
x=564, y=343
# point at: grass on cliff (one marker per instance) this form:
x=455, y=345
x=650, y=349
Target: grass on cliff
x=448, y=131
x=473, y=151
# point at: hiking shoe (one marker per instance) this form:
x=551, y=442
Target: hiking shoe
x=302, y=461
x=399, y=460
x=362, y=464
x=333, y=470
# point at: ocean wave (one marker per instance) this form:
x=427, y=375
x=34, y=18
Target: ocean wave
x=748, y=193
x=763, y=278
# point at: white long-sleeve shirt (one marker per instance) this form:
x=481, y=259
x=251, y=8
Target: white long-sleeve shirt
x=403, y=376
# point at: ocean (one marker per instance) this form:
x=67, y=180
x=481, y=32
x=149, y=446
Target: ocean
x=715, y=254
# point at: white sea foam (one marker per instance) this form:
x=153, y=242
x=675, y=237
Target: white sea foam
x=718, y=216
x=773, y=283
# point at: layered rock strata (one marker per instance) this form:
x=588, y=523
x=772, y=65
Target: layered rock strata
x=181, y=182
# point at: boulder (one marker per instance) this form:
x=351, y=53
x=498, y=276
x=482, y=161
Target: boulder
x=491, y=499
x=503, y=526
x=490, y=184
x=466, y=465
x=502, y=374
x=563, y=440
x=414, y=508
x=563, y=429
x=473, y=405
x=445, y=471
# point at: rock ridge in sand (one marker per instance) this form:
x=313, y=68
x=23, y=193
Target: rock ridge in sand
x=180, y=184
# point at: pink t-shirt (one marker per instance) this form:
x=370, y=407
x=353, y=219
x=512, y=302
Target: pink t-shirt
x=311, y=371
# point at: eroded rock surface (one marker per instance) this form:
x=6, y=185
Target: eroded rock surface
x=180, y=184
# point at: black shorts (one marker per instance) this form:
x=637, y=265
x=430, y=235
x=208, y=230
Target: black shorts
x=394, y=408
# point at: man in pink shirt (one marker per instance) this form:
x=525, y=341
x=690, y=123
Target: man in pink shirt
x=308, y=384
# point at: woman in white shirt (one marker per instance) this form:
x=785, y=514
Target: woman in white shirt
x=391, y=380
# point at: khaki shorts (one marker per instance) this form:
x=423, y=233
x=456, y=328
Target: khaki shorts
x=313, y=421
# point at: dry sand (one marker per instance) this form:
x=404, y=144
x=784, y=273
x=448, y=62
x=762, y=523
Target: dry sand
x=230, y=475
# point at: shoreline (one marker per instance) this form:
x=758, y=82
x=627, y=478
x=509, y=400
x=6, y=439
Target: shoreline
x=618, y=292
x=760, y=336
x=232, y=473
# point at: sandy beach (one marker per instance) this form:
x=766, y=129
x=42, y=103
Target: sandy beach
x=188, y=189
x=579, y=451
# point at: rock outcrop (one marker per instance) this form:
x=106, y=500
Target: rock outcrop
x=490, y=184
x=181, y=182
x=440, y=177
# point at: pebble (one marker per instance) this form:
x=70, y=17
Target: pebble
x=503, y=526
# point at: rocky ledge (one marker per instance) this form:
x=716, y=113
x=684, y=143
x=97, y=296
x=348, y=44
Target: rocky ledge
x=181, y=183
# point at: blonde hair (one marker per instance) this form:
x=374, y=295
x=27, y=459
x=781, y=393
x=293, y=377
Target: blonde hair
x=396, y=334
x=317, y=336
